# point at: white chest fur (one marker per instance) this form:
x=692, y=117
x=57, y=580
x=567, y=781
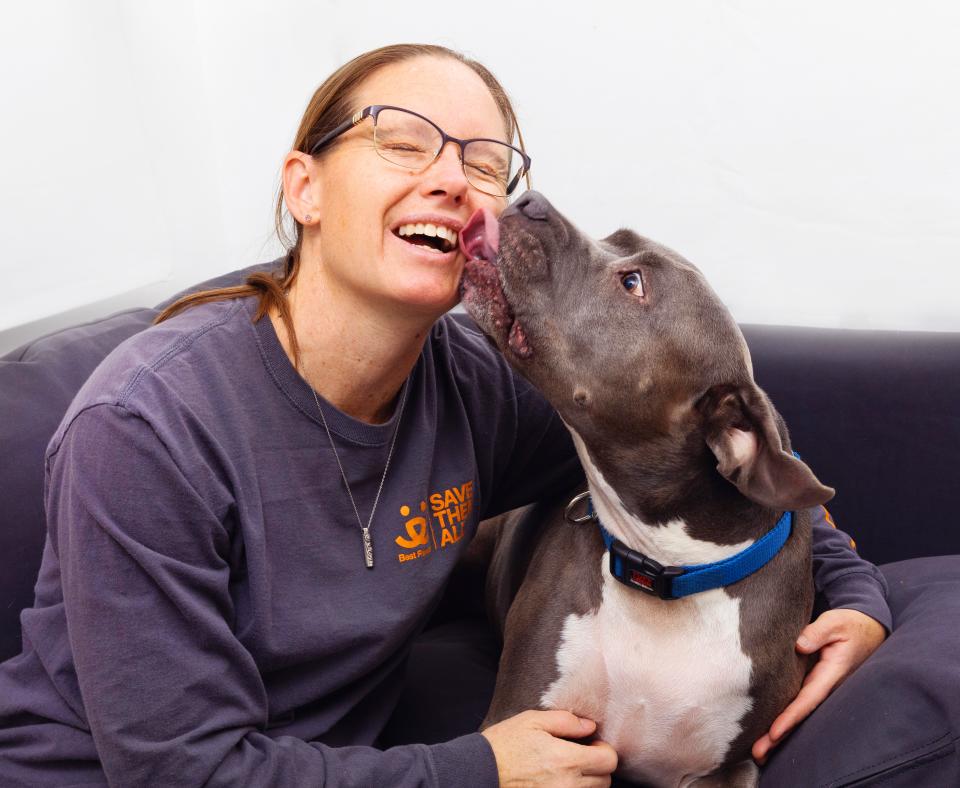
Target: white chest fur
x=668, y=681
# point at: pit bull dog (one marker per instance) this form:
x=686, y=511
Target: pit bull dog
x=669, y=613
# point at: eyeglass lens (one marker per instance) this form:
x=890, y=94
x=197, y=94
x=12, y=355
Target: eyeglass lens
x=405, y=139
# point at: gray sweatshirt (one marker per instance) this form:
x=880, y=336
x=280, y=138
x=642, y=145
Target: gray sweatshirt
x=203, y=614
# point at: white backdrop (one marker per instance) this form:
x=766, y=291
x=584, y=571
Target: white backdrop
x=803, y=154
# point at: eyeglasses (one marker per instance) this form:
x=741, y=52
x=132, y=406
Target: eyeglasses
x=413, y=141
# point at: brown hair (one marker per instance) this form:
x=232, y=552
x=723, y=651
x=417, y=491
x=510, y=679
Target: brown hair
x=329, y=106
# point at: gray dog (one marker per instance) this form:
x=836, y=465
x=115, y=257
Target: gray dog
x=669, y=615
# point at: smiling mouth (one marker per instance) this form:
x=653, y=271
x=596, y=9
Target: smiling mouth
x=481, y=287
x=429, y=236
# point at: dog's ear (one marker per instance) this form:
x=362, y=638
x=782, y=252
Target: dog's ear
x=740, y=427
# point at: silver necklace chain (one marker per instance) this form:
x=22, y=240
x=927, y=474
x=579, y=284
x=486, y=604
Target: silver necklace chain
x=364, y=530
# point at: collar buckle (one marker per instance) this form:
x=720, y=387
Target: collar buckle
x=636, y=570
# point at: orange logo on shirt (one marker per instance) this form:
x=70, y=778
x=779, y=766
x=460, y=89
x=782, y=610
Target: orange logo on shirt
x=450, y=511
x=416, y=529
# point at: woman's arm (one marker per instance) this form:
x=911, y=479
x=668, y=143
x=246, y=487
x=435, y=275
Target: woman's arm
x=170, y=694
x=841, y=577
x=855, y=622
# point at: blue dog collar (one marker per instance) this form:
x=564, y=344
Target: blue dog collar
x=673, y=582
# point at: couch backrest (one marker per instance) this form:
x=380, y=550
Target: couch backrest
x=876, y=414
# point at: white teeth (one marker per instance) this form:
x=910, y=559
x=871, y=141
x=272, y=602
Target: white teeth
x=437, y=230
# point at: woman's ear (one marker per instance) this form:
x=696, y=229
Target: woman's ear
x=301, y=187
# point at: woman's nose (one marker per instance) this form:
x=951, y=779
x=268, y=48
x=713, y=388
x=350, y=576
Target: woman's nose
x=447, y=169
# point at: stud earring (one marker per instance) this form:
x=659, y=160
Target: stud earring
x=307, y=218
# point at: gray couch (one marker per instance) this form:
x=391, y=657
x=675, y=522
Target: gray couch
x=876, y=414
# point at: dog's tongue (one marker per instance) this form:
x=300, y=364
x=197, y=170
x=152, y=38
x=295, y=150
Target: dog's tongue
x=480, y=237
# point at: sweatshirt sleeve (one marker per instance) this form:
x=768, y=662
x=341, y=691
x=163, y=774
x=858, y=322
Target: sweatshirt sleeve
x=171, y=695
x=841, y=577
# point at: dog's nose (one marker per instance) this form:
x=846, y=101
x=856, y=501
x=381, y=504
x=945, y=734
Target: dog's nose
x=533, y=205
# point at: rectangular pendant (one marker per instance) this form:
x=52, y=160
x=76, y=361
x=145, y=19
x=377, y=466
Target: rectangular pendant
x=367, y=548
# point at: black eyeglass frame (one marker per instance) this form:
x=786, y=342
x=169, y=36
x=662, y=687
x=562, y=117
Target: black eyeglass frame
x=374, y=110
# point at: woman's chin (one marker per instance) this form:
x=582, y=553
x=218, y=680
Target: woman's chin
x=428, y=296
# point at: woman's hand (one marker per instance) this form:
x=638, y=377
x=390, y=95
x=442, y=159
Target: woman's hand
x=844, y=638
x=531, y=749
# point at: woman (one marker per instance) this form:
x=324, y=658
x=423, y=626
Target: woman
x=254, y=506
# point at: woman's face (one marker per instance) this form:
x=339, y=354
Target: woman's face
x=363, y=200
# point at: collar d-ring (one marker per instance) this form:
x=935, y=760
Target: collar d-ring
x=589, y=517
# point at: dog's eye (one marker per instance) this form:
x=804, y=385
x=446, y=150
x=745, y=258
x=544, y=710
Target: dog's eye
x=632, y=282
